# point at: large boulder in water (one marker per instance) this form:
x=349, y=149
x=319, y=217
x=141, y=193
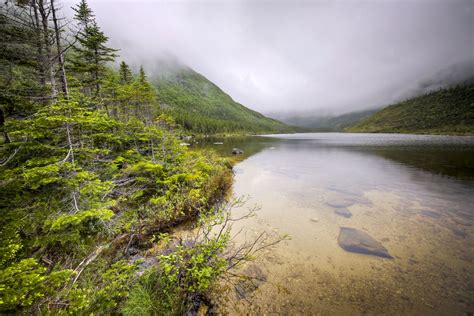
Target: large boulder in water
x=354, y=240
x=237, y=151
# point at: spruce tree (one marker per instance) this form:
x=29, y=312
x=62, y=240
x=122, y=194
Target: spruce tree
x=91, y=54
x=126, y=75
x=83, y=14
x=142, y=77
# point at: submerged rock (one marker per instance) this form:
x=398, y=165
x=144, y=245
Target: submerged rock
x=354, y=240
x=237, y=151
x=340, y=203
x=343, y=212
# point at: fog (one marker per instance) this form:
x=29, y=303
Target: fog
x=326, y=57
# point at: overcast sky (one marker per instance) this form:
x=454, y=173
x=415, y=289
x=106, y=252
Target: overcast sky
x=322, y=56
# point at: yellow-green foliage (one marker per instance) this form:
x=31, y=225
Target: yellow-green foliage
x=87, y=173
x=26, y=281
x=80, y=179
x=179, y=278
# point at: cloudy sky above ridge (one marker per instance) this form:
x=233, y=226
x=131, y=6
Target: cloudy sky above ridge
x=293, y=56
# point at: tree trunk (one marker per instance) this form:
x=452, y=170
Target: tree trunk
x=43, y=10
x=62, y=71
x=96, y=73
x=39, y=43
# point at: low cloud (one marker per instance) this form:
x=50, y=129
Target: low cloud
x=299, y=56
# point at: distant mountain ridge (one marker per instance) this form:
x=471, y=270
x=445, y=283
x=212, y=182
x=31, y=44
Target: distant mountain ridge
x=326, y=123
x=445, y=111
x=202, y=107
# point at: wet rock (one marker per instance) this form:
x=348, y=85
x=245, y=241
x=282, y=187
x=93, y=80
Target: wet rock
x=237, y=151
x=354, y=240
x=343, y=212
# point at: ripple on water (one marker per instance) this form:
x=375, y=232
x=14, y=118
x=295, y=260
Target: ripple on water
x=412, y=194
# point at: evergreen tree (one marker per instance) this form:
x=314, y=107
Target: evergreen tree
x=126, y=75
x=142, y=77
x=83, y=14
x=92, y=54
x=140, y=98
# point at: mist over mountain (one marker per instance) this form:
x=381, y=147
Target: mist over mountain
x=443, y=111
x=324, y=123
x=200, y=106
x=457, y=74
x=325, y=120
x=300, y=56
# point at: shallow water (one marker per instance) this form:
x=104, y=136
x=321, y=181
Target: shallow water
x=414, y=194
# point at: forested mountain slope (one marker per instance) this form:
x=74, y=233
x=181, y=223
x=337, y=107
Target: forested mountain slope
x=202, y=107
x=446, y=111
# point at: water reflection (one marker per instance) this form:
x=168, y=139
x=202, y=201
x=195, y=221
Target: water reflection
x=414, y=194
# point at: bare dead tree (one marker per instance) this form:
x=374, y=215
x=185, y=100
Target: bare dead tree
x=60, y=52
x=45, y=10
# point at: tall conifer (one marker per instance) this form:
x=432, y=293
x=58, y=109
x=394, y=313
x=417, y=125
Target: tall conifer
x=91, y=53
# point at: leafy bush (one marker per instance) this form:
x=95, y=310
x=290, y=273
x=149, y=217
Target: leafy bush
x=179, y=279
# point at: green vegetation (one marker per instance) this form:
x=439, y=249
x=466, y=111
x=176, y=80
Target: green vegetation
x=200, y=106
x=92, y=177
x=181, y=276
x=447, y=111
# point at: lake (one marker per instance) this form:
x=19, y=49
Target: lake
x=414, y=194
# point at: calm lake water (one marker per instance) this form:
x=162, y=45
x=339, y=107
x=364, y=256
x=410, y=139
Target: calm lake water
x=414, y=194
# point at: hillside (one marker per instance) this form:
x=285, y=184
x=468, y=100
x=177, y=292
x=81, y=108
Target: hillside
x=446, y=111
x=328, y=123
x=202, y=107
